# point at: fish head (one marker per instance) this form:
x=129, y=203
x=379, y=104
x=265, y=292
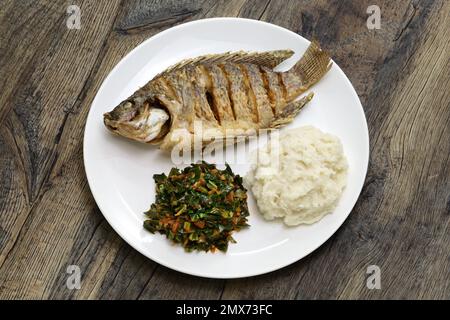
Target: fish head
x=138, y=119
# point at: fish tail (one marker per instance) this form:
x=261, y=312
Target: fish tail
x=313, y=65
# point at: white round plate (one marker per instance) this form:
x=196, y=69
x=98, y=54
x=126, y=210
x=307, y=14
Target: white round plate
x=120, y=172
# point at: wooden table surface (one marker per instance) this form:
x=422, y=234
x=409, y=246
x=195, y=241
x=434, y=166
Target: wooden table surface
x=49, y=220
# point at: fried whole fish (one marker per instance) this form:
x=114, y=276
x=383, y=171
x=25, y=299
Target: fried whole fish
x=227, y=93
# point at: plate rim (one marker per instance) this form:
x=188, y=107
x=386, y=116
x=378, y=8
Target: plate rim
x=266, y=270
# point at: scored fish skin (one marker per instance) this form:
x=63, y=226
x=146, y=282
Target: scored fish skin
x=233, y=91
x=260, y=94
x=217, y=88
x=237, y=91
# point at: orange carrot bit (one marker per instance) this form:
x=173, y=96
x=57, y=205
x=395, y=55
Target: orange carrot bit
x=230, y=196
x=175, y=226
x=200, y=224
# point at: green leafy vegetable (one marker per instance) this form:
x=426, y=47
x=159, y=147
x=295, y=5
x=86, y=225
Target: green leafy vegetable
x=198, y=207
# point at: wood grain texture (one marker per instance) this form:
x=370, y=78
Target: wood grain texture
x=49, y=220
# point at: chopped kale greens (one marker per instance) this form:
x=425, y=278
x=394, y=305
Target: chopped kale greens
x=198, y=207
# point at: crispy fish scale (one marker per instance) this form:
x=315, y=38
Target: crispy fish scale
x=218, y=91
x=260, y=95
x=196, y=95
x=274, y=89
x=188, y=108
x=175, y=86
x=166, y=87
x=238, y=93
x=251, y=99
x=293, y=85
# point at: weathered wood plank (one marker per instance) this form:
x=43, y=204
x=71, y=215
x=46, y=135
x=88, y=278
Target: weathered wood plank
x=39, y=232
x=19, y=52
x=49, y=220
x=141, y=16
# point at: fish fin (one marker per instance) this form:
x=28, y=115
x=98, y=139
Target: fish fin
x=290, y=111
x=313, y=65
x=268, y=59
